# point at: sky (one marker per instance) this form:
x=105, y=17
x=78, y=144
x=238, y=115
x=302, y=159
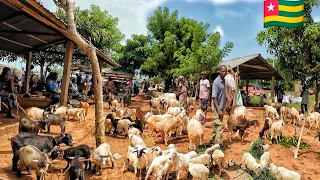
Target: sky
x=238, y=21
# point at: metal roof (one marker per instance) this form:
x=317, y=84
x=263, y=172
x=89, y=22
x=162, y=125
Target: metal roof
x=26, y=25
x=110, y=73
x=253, y=67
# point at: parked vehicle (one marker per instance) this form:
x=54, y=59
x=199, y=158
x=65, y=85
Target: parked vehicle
x=254, y=88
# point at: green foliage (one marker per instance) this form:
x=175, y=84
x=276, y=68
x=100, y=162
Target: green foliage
x=292, y=141
x=255, y=100
x=256, y=150
x=297, y=49
x=263, y=175
x=202, y=148
x=134, y=53
x=181, y=46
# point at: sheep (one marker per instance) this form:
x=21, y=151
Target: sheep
x=102, y=155
x=60, y=110
x=114, y=103
x=284, y=112
x=159, y=167
x=211, y=149
x=265, y=160
x=170, y=95
x=28, y=125
x=155, y=104
x=133, y=130
x=171, y=103
x=152, y=153
x=174, y=111
x=123, y=124
x=180, y=161
x=266, y=127
x=294, y=115
x=272, y=112
x=135, y=140
x=32, y=157
x=250, y=162
x=313, y=119
x=43, y=143
x=218, y=159
x=276, y=128
x=195, y=132
x=198, y=171
x=35, y=113
x=79, y=113
x=164, y=126
x=191, y=100
x=204, y=159
x=238, y=126
x=137, y=156
x=182, y=125
x=82, y=150
x=199, y=115
x=283, y=173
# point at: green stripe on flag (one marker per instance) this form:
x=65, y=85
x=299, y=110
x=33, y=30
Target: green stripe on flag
x=291, y=3
x=291, y=14
x=283, y=24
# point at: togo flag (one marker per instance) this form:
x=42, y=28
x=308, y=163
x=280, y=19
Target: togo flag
x=283, y=13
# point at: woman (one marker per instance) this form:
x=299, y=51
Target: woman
x=183, y=93
x=74, y=91
x=52, y=88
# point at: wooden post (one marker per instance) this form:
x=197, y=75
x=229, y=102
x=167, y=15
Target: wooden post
x=66, y=73
x=100, y=65
x=28, y=69
x=247, y=86
x=295, y=152
x=316, y=97
x=272, y=88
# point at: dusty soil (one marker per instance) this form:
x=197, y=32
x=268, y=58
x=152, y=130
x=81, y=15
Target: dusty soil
x=307, y=163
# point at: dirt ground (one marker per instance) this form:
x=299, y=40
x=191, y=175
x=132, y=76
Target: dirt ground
x=307, y=163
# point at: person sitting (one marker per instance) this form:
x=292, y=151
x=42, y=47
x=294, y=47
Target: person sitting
x=73, y=90
x=7, y=91
x=52, y=91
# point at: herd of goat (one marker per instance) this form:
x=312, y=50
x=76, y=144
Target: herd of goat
x=32, y=151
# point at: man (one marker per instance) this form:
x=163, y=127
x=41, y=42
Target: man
x=280, y=93
x=218, y=105
x=204, y=93
x=52, y=90
x=305, y=100
x=7, y=90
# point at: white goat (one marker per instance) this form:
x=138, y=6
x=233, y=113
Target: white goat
x=137, y=156
x=276, y=129
x=250, y=162
x=195, y=132
x=102, y=155
x=198, y=171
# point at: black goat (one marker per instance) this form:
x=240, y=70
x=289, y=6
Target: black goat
x=43, y=143
x=76, y=170
x=82, y=150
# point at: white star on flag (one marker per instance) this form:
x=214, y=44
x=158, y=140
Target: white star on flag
x=270, y=7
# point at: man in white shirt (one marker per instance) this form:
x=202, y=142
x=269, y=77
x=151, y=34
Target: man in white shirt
x=204, y=93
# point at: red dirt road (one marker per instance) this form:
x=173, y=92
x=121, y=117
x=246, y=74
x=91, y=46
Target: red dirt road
x=307, y=163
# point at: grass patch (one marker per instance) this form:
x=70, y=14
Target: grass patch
x=298, y=105
x=256, y=150
x=255, y=100
x=288, y=141
x=263, y=175
x=202, y=148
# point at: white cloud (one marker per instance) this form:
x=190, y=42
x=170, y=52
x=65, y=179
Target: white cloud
x=316, y=18
x=219, y=29
x=229, y=13
x=221, y=2
x=132, y=14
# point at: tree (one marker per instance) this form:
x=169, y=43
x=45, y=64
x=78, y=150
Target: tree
x=134, y=53
x=297, y=49
x=90, y=51
x=181, y=46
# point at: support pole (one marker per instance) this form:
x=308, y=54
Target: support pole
x=272, y=88
x=28, y=69
x=66, y=73
x=295, y=152
x=100, y=65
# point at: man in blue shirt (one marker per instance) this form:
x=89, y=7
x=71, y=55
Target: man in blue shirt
x=218, y=105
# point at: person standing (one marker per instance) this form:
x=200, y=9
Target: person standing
x=204, y=93
x=218, y=105
x=7, y=91
x=280, y=93
x=183, y=93
x=305, y=100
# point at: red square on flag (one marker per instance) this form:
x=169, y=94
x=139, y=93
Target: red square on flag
x=271, y=7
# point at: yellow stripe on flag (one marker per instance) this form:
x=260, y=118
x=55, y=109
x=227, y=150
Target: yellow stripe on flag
x=291, y=8
x=283, y=19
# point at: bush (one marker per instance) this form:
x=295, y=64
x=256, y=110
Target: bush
x=292, y=141
x=256, y=150
x=263, y=175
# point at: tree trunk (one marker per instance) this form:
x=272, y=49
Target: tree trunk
x=316, y=97
x=42, y=74
x=90, y=51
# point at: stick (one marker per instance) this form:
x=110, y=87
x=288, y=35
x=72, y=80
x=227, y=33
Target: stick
x=295, y=152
